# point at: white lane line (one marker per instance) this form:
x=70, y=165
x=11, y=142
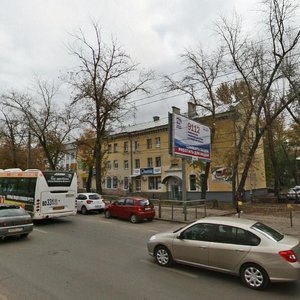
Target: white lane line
x=105, y=222
x=39, y=230
x=172, y=270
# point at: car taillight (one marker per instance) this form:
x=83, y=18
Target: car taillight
x=288, y=255
x=3, y=224
x=89, y=201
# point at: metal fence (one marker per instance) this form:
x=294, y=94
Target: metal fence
x=178, y=210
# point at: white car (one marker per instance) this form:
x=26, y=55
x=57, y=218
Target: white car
x=292, y=193
x=87, y=202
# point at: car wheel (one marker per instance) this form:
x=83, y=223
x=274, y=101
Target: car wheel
x=24, y=235
x=84, y=211
x=163, y=256
x=150, y=219
x=134, y=219
x=107, y=214
x=254, y=276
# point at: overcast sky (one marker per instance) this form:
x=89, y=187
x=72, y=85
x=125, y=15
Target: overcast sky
x=34, y=34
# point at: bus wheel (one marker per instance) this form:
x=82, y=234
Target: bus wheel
x=84, y=211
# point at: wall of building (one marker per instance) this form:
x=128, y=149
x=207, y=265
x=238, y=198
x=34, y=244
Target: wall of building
x=139, y=162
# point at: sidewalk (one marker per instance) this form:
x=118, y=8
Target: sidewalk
x=277, y=216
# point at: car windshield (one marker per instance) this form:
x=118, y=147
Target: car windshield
x=145, y=202
x=94, y=196
x=268, y=231
x=12, y=211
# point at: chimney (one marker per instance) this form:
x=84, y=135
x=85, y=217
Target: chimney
x=156, y=118
x=192, y=110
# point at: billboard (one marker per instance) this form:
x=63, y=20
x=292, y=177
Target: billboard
x=190, y=138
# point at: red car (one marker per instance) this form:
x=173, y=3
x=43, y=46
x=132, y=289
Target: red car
x=133, y=208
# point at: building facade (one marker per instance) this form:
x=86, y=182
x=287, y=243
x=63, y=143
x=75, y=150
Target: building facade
x=138, y=162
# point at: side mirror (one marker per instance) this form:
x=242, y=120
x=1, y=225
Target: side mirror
x=180, y=236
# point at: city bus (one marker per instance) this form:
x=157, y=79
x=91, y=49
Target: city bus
x=43, y=194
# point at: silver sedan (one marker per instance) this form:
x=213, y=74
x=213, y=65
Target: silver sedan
x=246, y=248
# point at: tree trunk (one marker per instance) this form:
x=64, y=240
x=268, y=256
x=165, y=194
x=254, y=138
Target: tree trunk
x=273, y=160
x=89, y=180
x=98, y=152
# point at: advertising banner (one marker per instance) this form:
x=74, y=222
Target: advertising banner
x=190, y=138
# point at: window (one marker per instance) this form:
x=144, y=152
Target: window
x=126, y=147
x=137, y=184
x=108, y=182
x=157, y=161
x=115, y=182
x=109, y=148
x=149, y=144
x=116, y=165
x=126, y=183
x=126, y=165
x=233, y=235
x=149, y=162
x=137, y=164
x=109, y=164
x=157, y=142
x=129, y=202
x=136, y=146
x=154, y=182
x=268, y=232
x=199, y=232
x=193, y=186
x=115, y=148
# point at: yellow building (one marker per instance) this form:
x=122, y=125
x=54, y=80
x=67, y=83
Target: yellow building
x=138, y=161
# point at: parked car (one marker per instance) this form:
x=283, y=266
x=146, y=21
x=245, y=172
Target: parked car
x=87, y=202
x=14, y=220
x=133, y=208
x=242, y=247
x=294, y=193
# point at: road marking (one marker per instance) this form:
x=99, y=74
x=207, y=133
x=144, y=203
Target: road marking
x=152, y=230
x=39, y=230
x=105, y=222
x=184, y=273
x=172, y=270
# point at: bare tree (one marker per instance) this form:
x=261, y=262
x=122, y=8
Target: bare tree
x=261, y=66
x=199, y=83
x=50, y=124
x=104, y=80
x=13, y=136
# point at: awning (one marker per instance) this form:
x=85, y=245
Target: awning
x=164, y=181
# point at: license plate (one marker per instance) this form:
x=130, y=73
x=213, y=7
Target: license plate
x=19, y=229
x=58, y=207
x=148, y=208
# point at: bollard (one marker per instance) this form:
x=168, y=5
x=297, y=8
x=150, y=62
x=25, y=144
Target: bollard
x=239, y=208
x=159, y=209
x=290, y=207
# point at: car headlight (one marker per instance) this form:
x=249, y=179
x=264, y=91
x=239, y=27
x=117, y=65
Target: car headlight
x=153, y=237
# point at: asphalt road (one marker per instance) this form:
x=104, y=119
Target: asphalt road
x=90, y=257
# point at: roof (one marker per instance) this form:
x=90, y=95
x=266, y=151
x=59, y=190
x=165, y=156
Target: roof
x=229, y=220
x=164, y=121
x=221, y=109
x=141, y=127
